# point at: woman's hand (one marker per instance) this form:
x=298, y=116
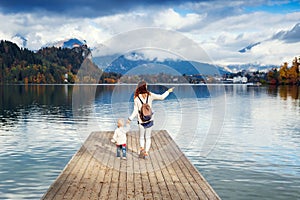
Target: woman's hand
x=170, y=89
x=113, y=141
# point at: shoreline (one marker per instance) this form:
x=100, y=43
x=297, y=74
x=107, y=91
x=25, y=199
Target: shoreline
x=134, y=84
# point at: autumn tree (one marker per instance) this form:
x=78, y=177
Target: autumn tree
x=290, y=75
x=283, y=73
x=273, y=76
x=293, y=72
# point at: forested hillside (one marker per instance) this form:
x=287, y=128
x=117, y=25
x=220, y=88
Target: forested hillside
x=48, y=65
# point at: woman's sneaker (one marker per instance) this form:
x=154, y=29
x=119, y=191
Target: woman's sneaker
x=142, y=153
x=146, y=155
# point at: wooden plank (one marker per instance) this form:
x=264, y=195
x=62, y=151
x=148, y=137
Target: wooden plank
x=146, y=183
x=122, y=187
x=192, y=178
x=61, y=179
x=196, y=179
x=152, y=178
x=175, y=157
x=61, y=184
x=90, y=175
x=138, y=189
x=174, y=169
x=147, y=193
x=113, y=189
x=104, y=193
x=80, y=170
x=164, y=168
x=100, y=177
x=164, y=192
x=202, y=183
x=95, y=172
x=130, y=170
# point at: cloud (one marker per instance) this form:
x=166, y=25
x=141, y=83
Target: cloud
x=153, y=42
x=173, y=20
x=40, y=30
x=222, y=39
x=272, y=52
x=220, y=29
x=275, y=52
x=83, y=8
x=52, y=28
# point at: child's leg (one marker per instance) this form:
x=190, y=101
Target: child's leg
x=124, y=151
x=119, y=150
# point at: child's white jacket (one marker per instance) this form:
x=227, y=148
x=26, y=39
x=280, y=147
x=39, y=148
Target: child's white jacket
x=120, y=135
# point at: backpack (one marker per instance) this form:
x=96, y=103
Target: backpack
x=146, y=111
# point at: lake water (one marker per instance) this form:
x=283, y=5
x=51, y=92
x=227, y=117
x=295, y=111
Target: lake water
x=245, y=140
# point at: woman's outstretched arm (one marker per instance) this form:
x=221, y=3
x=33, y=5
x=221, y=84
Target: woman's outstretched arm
x=134, y=112
x=162, y=96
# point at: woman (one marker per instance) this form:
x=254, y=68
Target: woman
x=142, y=95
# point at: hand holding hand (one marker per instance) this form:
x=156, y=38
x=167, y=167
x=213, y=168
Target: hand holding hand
x=171, y=89
x=113, y=141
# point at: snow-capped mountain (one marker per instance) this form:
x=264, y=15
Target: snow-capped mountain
x=289, y=36
x=68, y=43
x=136, y=63
x=251, y=67
x=249, y=47
x=126, y=63
x=20, y=40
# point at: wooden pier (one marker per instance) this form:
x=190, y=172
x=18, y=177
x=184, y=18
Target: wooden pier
x=95, y=172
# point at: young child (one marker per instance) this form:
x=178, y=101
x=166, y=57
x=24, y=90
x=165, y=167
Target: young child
x=120, y=138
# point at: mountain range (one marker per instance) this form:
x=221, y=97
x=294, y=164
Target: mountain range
x=124, y=64
x=67, y=43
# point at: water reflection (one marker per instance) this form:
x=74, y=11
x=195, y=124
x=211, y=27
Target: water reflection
x=272, y=90
x=14, y=96
x=289, y=91
x=19, y=101
x=256, y=155
x=285, y=91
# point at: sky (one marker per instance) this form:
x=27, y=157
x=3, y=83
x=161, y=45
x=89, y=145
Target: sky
x=221, y=28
